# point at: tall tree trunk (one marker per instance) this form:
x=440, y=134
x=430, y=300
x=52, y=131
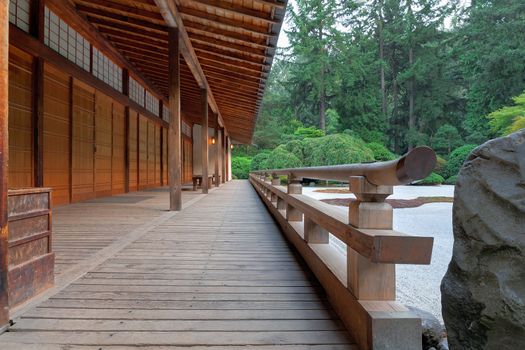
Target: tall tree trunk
x=382, y=59
x=322, y=110
x=395, y=98
x=411, y=92
x=322, y=92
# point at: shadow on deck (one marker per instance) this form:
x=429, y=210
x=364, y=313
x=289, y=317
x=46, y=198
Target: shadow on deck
x=218, y=274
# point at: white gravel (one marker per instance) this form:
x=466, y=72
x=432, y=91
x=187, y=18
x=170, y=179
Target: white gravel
x=418, y=285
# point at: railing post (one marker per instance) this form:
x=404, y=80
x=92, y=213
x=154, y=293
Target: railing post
x=276, y=181
x=294, y=187
x=314, y=233
x=367, y=280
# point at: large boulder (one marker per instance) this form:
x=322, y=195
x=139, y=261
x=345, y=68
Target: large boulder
x=483, y=291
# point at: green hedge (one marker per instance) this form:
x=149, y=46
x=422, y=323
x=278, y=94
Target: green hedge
x=241, y=167
x=432, y=179
x=381, y=153
x=280, y=158
x=456, y=159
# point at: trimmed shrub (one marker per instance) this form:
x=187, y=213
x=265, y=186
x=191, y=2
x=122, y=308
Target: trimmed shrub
x=451, y=180
x=280, y=158
x=259, y=161
x=441, y=166
x=457, y=158
x=380, y=152
x=241, y=167
x=335, y=149
x=432, y=179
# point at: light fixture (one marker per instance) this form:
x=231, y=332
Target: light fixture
x=231, y=146
x=213, y=140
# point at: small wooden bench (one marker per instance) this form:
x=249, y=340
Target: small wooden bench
x=197, y=181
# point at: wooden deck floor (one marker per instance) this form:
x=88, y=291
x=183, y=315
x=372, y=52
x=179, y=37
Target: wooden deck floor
x=217, y=275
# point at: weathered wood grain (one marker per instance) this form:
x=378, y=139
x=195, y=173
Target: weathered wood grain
x=210, y=277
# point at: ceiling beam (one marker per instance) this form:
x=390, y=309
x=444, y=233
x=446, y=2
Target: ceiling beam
x=171, y=16
x=235, y=9
x=65, y=10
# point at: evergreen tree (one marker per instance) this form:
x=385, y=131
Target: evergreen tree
x=314, y=40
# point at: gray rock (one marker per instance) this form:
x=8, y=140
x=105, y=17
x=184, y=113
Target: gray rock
x=433, y=330
x=483, y=291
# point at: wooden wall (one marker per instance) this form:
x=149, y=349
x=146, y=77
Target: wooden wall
x=84, y=138
x=21, y=172
x=187, y=160
x=57, y=139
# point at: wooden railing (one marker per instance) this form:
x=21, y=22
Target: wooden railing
x=360, y=285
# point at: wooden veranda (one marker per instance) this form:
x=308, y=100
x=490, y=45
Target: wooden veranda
x=210, y=277
x=100, y=98
x=108, y=110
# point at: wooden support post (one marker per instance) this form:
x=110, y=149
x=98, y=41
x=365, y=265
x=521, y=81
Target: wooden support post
x=204, y=140
x=217, y=149
x=125, y=91
x=368, y=280
x=163, y=181
x=276, y=181
x=36, y=21
x=38, y=121
x=294, y=187
x=174, y=131
x=36, y=29
x=228, y=150
x=4, y=160
x=314, y=233
x=223, y=154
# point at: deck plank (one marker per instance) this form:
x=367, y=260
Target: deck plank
x=217, y=275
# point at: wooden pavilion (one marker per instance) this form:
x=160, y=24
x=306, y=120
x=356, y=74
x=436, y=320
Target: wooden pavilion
x=109, y=107
x=104, y=97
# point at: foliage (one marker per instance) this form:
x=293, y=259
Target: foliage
x=509, y=119
x=241, y=167
x=280, y=158
x=441, y=166
x=489, y=48
x=333, y=122
x=446, y=139
x=457, y=158
x=452, y=180
x=335, y=149
x=309, y=132
x=380, y=152
x=432, y=179
x=259, y=161
x=400, y=73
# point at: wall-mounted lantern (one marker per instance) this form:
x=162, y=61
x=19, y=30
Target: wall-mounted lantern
x=213, y=140
x=231, y=146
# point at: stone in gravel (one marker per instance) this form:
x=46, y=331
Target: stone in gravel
x=483, y=291
x=433, y=331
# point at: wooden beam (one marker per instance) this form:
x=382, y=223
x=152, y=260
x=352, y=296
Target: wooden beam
x=253, y=39
x=38, y=121
x=65, y=10
x=204, y=140
x=229, y=46
x=217, y=150
x=174, y=131
x=118, y=8
x=171, y=15
x=36, y=22
x=188, y=12
x=239, y=10
x=4, y=161
x=227, y=52
x=121, y=22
